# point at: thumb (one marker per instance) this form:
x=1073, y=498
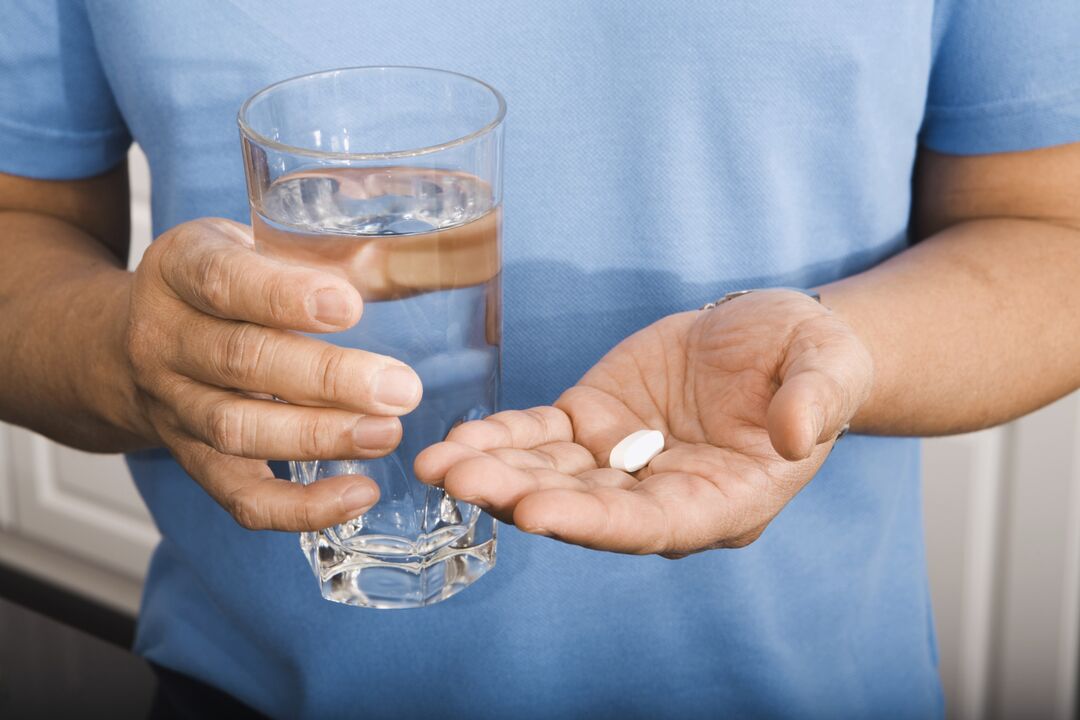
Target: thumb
x=825, y=377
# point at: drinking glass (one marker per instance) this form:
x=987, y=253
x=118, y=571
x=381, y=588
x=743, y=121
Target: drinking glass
x=391, y=178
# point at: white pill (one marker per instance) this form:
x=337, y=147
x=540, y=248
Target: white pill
x=636, y=450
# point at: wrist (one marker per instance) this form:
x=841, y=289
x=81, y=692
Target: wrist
x=842, y=300
x=107, y=389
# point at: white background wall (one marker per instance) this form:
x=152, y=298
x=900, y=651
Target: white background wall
x=1002, y=526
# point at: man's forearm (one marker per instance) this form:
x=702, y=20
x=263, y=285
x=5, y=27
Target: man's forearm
x=63, y=298
x=972, y=327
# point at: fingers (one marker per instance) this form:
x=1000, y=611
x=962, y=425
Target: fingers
x=211, y=265
x=433, y=463
x=545, y=431
x=694, y=499
x=523, y=429
x=797, y=418
x=257, y=500
x=498, y=487
x=236, y=425
x=825, y=378
x=209, y=337
x=607, y=519
x=298, y=369
x=670, y=513
x=562, y=457
x=515, y=429
x=599, y=419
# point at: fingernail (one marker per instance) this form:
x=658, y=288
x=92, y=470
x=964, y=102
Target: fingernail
x=357, y=499
x=396, y=385
x=330, y=306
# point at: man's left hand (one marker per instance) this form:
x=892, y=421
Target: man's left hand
x=750, y=396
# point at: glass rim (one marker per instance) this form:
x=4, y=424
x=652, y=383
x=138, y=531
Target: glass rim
x=251, y=134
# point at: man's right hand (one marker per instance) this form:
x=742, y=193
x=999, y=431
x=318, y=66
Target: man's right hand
x=210, y=342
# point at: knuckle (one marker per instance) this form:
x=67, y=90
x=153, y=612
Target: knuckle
x=330, y=373
x=246, y=509
x=155, y=255
x=317, y=437
x=211, y=280
x=225, y=428
x=540, y=416
x=138, y=342
x=169, y=253
x=145, y=360
x=304, y=517
x=244, y=350
x=279, y=302
x=252, y=512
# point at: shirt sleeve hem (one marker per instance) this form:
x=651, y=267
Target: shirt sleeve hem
x=979, y=130
x=50, y=154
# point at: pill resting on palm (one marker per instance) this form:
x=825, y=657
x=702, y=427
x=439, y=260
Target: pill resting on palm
x=636, y=450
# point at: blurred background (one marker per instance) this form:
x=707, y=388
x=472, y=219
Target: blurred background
x=1002, y=529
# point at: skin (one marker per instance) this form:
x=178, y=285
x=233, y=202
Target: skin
x=742, y=394
x=750, y=395
x=187, y=353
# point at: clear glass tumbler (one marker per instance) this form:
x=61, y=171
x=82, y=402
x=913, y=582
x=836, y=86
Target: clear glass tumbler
x=391, y=178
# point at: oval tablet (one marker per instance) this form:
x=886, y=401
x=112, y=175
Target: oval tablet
x=636, y=450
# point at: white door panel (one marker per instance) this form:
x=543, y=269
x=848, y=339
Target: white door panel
x=1002, y=512
x=141, y=222
x=91, y=510
x=961, y=499
x=1035, y=669
x=101, y=479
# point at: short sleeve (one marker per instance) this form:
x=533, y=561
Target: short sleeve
x=1005, y=76
x=58, y=118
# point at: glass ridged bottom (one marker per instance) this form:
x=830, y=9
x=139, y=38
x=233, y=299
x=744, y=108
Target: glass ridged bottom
x=356, y=567
x=391, y=581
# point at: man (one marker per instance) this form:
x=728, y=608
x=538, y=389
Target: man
x=911, y=160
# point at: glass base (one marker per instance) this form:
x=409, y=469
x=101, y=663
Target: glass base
x=395, y=580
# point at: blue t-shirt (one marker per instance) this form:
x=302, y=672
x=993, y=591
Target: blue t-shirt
x=657, y=155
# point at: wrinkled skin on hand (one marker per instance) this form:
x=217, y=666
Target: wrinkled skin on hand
x=212, y=336
x=750, y=397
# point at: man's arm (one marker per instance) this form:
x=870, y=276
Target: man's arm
x=62, y=310
x=979, y=323
x=177, y=353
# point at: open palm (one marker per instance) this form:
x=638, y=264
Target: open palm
x=749, y=396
